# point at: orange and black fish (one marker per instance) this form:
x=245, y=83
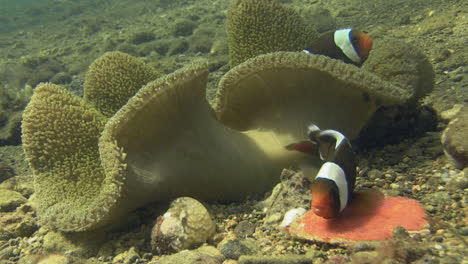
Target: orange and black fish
x=333, y=186
x=349, y=45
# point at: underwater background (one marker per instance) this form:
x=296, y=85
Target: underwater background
x=401, y=151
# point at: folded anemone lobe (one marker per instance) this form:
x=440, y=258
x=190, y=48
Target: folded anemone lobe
x=60, y=136
x=283, y=91
x=402, y=64
x=113, y=78
x=257, y=27
x=369, y=217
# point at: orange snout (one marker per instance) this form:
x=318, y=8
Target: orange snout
x=365, y=45
x=326, y=212
x=322, y=201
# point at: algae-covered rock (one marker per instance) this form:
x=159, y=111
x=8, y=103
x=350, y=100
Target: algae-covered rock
x=85, y=244
x=202, y=255
x=22, y=184
x=12, y=102
x=20, y=223
x=202, y=39
x=234, y=248
x=10, y=131
x=141, y=37
x=187, y=224
x=53, y=258
x=294, y=259
x=454, y=138
x=6, y=171
x=292, y=192
x=9, y=200
x=183, y=27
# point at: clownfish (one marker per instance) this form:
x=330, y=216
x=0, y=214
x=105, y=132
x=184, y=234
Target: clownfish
x=349, y=45
x=333, y=186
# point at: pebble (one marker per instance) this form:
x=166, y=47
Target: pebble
x=6, y=171
x=458, y=181
x=464, y=231
x=20, y=223
x=55, y=259
x=273, y=218
x=454, y=139
x=6, y=253
x=187, y=224
x=374, y=174
x=230, y=261
x=400, y=233
x=132, y=256
x=449, y=114
x=293, y=259
x=244, y=229
x=83, y=245
x=10, y=200
x=234, y=248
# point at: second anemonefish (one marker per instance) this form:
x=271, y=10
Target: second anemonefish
x=334, y=184
x=349, y=45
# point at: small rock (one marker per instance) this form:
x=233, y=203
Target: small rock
x=400, y=233
x=85, y=244
x=6, y=171
x=454, y=139
x=449, y=114
x=363, y=246
x=6, y=253
x=458, y=181
x=291, y=216
x=427, y=259
x=178, y=46
x=20, y=223
x=141, y=37
x=244, y=229
x=365, y=257
x=9, y=200
x=273, y=218
x=292, y=192
x=22, y=184
x=374, y=174
x=61, y=78
x=275, y=260
x=183, y=27
x=234, y=248
x=131, y=256
x=29, y=259
x=55, y=259
x=202, y=255
x=187, y=224
x=230, y=261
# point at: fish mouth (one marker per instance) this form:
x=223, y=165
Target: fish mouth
x=326, y=213
x=366, y=45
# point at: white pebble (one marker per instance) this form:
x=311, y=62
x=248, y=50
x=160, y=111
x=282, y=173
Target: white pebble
x=292, y=215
